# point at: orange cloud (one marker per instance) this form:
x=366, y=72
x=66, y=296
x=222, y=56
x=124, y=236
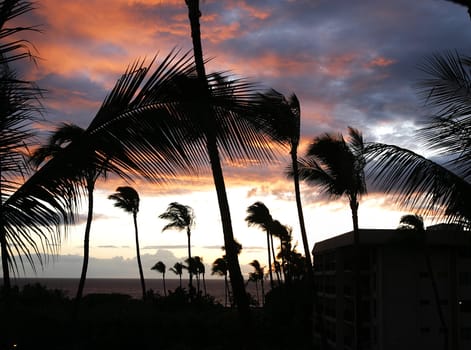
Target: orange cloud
x=379, y=62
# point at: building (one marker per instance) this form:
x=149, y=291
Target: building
x=398, y=308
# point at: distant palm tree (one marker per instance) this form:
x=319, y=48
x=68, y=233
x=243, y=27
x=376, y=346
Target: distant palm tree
x=258, y=277
x=181, y=217
x=337, y=167
x=219, y=268
x=127, y=198
x=259, y=215
x=160, y=267
x=415, y=223
x=177, y=269
x=200, y=270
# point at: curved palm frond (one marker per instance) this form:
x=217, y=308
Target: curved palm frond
x=14, y=49
x=419, y=183
x=447, y=90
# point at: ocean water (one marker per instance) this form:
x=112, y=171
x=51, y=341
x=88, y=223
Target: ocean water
x=129, y=286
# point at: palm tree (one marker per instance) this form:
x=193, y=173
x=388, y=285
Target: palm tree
x=439, y=186
x=337, y=166
x=415, y=223
x=31, y=217
x=181, y=217
x=234, y=130
x=258, y=276
x=127, y=198
x=200, y=271
x=219, y=268
x=177, y=269
x=286, y=115
x=87, y=171
x=259, y=215
x=160, y=267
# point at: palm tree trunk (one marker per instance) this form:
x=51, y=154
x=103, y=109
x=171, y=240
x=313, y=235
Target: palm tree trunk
x=237, y=280
x=180, y=278
x=297, y=192
x=188, y=235
x=275, y=263
x=5, y=265
x=270, y=273
x=226, y=290
x=86, y=241
x=138, y=255
x=204, y=286
x=165, y=287
x=356, y=276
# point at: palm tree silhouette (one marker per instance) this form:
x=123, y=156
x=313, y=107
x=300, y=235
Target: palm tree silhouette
x=286, y=116
x=259, y=215
x=31, y=217
x=219, y=267
x=177, y=269
x=160, y=267
x=439, y=187
x=258, y=276
x=415, y=224
x=88, y=170
x=200, y=271
x=127, y=198
x=234, y=128
x=337, y=167
x=181, y=217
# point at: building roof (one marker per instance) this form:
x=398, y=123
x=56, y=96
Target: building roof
x=371, y=237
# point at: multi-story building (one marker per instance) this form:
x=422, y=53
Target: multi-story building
x=398, y=308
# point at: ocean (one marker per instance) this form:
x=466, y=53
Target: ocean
x=129, y=286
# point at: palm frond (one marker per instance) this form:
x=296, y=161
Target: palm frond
x=417, y=182
x=447, y=90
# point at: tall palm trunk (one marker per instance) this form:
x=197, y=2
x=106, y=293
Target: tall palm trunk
x=356, y=275
x=86, y=240
x=163, y=280
x=275, y=263
x=236, y=278
x=188, y=235
x=297, y=192
x=269, y=260
x=5, y=266
x=138, y=255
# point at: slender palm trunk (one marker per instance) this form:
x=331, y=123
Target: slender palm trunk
x=237, y=280
x=226, y=290
x=180, y=278
x=188, y=235
x=356, y=275
x=138, y=255
x=5, y=265
x=204, y=285
x=297, y=192
x=275, y=262
x=163, y=280
x=86, y=241
x=270, y=273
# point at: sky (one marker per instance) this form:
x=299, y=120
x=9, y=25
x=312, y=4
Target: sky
x=351, y=63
